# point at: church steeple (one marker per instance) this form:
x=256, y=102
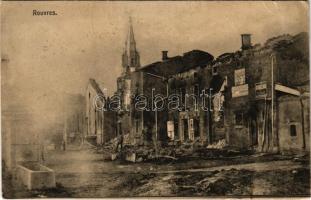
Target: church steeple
x=130, y=57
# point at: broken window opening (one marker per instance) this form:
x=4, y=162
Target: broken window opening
x=136, y=126
x=238, y=118
x=293, y=131
x=214, y=70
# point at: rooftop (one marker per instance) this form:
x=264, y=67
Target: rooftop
x=179, y=64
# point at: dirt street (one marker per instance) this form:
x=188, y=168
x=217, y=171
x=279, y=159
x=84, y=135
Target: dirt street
x=84, y=173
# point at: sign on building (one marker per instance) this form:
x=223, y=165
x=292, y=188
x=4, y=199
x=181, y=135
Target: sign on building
x=239, y=76
x=238, y=91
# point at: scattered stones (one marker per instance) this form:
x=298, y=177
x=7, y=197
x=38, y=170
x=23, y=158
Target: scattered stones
x=218, y=145
x=114, y=156
x=169, y=152
x=130, y=157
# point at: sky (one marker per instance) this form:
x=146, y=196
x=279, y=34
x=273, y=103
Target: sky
x=52, y=55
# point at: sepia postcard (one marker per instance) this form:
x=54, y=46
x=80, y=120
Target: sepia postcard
x=128, y=99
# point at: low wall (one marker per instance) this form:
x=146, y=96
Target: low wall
x=36, y=176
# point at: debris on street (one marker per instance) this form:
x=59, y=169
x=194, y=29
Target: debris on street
x=218, y=145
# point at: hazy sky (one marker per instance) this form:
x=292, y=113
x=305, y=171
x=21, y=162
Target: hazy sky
x=55, y=54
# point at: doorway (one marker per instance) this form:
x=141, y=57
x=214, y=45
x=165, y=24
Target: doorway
x=176, y=129
x=254, y=134
x=186, y=131
x=196, y=127
x=119, y=128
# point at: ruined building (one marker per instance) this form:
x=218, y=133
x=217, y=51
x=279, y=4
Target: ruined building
x=100, y=123
x=266, y=104
x=251, y=93
x=73, y=126
x=185, y=77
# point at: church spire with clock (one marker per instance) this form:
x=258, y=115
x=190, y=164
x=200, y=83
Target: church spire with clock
x=130, y=56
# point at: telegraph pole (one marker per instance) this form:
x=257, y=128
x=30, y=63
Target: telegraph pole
x=273, y=60
x=272, y=95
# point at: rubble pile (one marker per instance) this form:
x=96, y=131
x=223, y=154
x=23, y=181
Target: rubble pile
x=138, y=153
x=171, y=151
x=126, y=139
x=110, y=146
x=220, y=144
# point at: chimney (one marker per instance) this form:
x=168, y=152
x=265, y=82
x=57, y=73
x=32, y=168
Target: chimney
x=164, y=55
x=246, y=41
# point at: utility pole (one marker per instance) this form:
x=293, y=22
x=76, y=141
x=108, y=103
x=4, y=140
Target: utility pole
x=155, y=117
x=156, y=111
x=272, y=95
x=156, y=122
x=142, y=92
x=273, y=59
x=302, y=121
x=65, y=135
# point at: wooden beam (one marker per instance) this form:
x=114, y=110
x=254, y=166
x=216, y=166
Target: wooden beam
x=286, y=89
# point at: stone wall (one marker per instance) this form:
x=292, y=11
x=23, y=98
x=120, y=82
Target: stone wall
x=289, y=119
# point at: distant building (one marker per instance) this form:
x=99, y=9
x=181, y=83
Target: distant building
x=74, y=121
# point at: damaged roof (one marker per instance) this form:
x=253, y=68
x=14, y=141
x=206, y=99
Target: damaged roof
x=179, y=64
x=96, y=87
x=216, y=83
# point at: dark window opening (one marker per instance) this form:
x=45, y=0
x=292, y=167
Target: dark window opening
x=136, y=126
x=183, y=95
x=238, y=118
x=186, y=133
x=119, y=128
x=214, y=70
x=176, y=133
x=95, y=117
x=196, y=90
x=293, y=130
x=196, y=127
